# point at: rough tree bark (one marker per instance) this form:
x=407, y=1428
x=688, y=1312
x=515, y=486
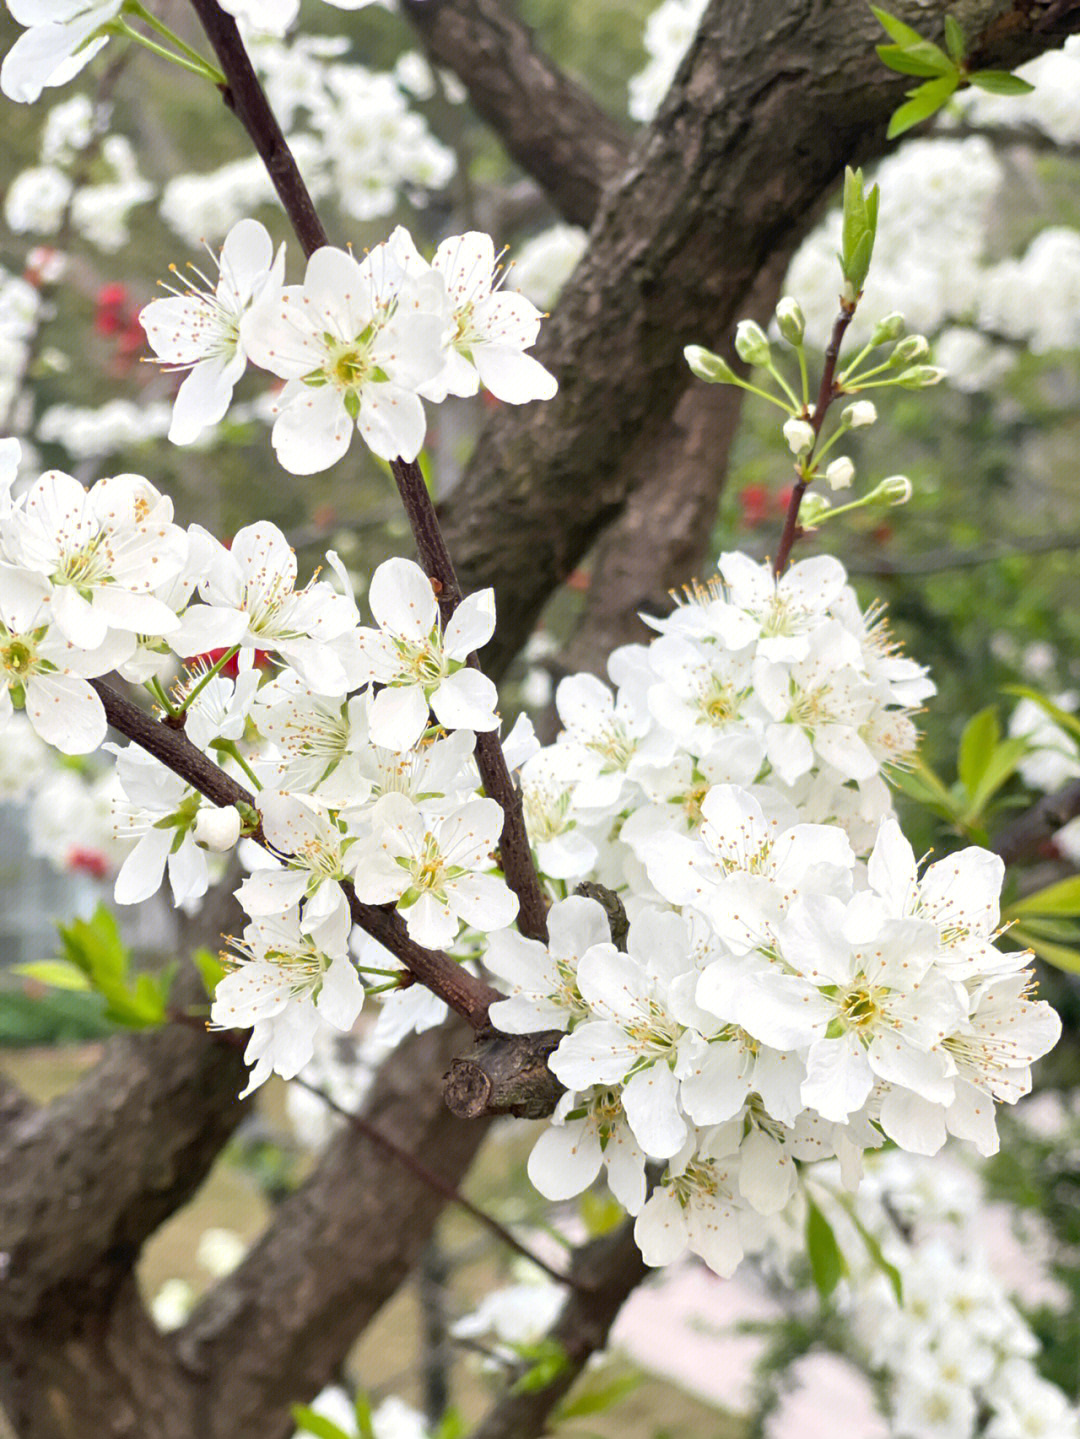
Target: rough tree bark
x=775, y=97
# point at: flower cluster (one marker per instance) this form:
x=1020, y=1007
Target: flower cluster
x=957, y=1355
x=360, y=344
x=793, y=987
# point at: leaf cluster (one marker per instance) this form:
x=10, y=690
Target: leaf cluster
x=96, y=959
x=943, y=71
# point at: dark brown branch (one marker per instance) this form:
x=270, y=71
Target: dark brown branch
x=514, y=849
x=606, y=1272
x=553, y=129
x=1024, y=838
x=463, y=992
x=245, y=97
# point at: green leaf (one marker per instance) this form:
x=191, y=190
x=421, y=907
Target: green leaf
x=1062, y=898
x=859, y=227
x=977, y=745
x=1000, y=82
x=918, y=60
x=1059, y=955
x=873, y=1248
x=211, y=970
x=1004, y=763
x=600, y=1212
x=1058, y=931
x=925, y=101
x=594, y=1398
x=955, y=39
x=451, y=1426
x=548, y=1360
x=826, y=1261
x=55, y=972
x=923, y=786
x=895, y=27
x=312, y=1423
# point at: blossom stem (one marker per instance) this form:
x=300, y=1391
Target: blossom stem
x=136, y=8
x=827, y=392
x=214, y=670
x=157, y=691
x=514, y=849
x=196, y=67
x=232, y=749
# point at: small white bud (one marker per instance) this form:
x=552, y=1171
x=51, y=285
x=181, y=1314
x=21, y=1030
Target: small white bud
x=860, y=414
x=216, y=827
x=799, y=435
x=790, y=319
x=751, y=343
x=707, y=366
x=888, y=329
x=910, y=351
x=813, y=510
x=896, y=490
x=920, y=377
x=840, y=473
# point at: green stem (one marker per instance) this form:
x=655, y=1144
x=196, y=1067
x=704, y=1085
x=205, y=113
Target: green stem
x=778, y=377
x=215, y=669
x=849, y=380
x=198, y=66
x=801, y=352
x=156, y=689
x=764, y=395
x=229, y=747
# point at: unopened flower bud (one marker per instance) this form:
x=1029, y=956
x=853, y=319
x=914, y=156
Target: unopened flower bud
x=813, y=510
x=790, y=319
x=896, y=490
x=799, y=435
x=751, y=343
x=840, y=473
x=890, y=328
x=920, y=377
x=216, y=828
x=858, y=415
x=707, y=366
x=909, y=351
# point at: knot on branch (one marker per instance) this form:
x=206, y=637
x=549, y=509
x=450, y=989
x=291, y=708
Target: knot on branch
x=505, y=1074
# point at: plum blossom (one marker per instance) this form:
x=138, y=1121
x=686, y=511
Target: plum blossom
x=543, y=978
x=421, y=665
x=354, y=343
x=63, y=36
x=491, y=328
x=251, y=600
x=286, y=976
x=199, y=329
x=437, y=873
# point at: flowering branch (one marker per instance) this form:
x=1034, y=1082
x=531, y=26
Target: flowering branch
x=464, y=993
x=827, y=392
x=247, y=98
x=514, y=847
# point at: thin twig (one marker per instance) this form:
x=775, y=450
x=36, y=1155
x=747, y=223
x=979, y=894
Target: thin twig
x=436, y=1182
x=514, y=847
x=247, y=99
x=827, y=392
